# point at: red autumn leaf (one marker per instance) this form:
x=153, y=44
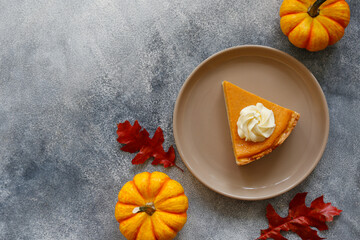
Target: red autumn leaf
x=166, y=158
x=131, y=136
x=137, y=140
x=300, y=219
x=151, y=147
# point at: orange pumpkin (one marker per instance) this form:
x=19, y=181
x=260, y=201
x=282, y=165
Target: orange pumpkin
x=151, y=206
x=314, y=24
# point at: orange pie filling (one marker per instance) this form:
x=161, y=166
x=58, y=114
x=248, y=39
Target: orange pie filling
x=245, y=149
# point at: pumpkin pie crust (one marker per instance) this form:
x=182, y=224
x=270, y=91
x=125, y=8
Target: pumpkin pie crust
x=246, y=151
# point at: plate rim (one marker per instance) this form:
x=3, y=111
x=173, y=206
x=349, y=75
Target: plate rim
x=323, y=99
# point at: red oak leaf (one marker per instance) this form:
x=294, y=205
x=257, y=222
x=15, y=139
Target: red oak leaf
x=150, y=148
x=300, y=219
x=166, y=158
x=131, y=136
x=137, y=140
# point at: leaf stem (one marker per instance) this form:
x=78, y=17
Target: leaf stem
x=179, y=167
x=279, y=228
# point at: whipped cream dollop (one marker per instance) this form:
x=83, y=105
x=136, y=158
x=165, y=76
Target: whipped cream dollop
x=256, y=123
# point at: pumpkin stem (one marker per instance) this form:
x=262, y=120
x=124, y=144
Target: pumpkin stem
x=314, y=9
x=149, y=208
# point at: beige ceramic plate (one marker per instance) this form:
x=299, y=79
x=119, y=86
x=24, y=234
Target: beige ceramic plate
x=202, y=133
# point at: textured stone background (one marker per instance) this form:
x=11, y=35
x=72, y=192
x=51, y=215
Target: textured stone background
x=72, y=69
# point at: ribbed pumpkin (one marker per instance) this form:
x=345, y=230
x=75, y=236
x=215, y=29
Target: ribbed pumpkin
x=314, y=24
x=151, y=206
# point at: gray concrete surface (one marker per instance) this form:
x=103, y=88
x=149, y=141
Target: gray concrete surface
x=71, y=70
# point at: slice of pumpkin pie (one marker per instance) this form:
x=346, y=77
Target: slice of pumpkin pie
x=257, y=126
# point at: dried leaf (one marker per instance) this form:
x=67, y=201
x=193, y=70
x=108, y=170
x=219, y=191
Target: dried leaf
x=300, y=219
x=137, y=140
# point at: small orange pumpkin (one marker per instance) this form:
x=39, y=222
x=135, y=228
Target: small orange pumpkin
x=151, y=206
x=314, y=24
